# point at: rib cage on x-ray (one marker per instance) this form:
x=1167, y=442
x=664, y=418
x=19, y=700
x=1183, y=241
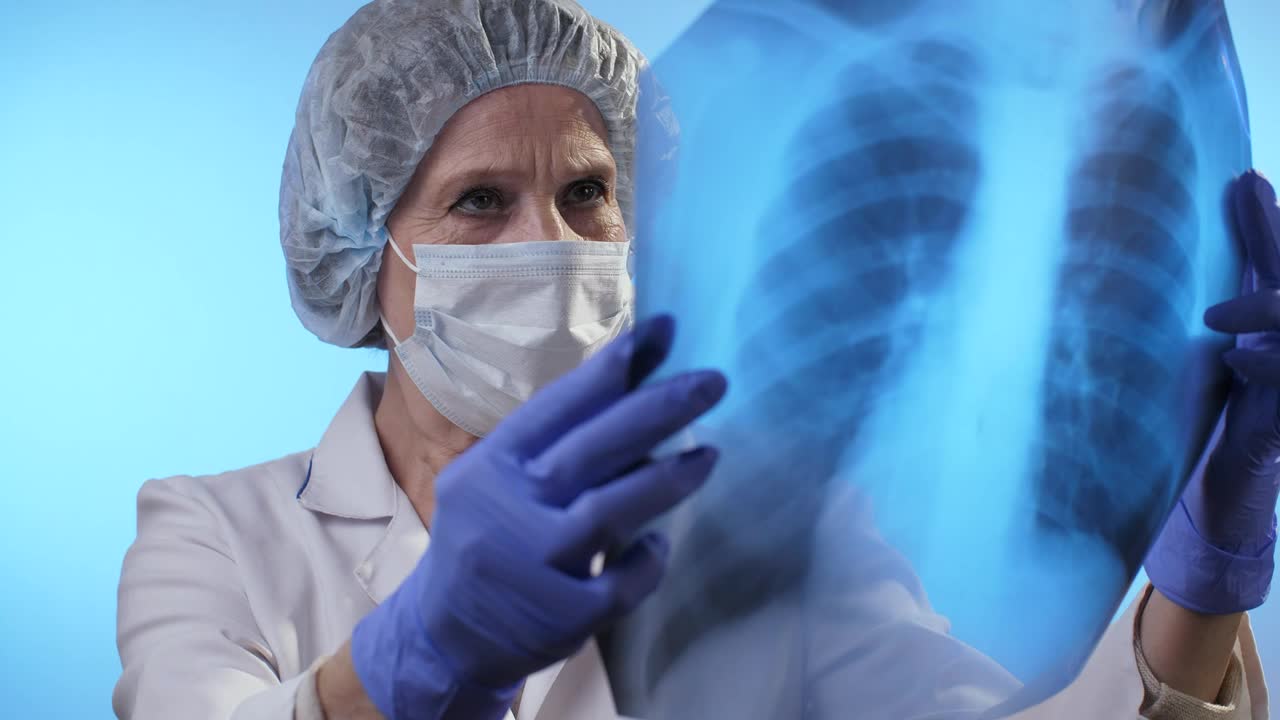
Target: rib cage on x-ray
x=1123, y=291
x=883, y=180
x=837, y=292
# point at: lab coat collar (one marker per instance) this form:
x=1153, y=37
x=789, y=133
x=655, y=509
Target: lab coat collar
x=348, y=475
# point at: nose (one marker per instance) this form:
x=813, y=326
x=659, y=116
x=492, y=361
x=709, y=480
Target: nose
x=540, y=219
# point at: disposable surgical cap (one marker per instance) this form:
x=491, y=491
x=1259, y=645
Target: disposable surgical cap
x=380, y=90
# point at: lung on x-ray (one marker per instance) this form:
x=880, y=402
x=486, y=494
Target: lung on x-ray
x=954, y=256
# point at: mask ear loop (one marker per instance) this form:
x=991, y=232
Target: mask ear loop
x=400, y=254
x=386, y=326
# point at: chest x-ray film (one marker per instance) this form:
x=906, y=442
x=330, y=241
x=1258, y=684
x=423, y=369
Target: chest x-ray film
x=954, y=256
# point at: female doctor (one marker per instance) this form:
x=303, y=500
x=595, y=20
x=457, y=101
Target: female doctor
x=488, y=144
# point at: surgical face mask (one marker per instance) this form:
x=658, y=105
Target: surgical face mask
x=494, y=323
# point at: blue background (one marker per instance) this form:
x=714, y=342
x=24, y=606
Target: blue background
x=148, y=327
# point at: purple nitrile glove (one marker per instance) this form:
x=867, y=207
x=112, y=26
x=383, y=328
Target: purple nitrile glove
x=505, y=588
x=1217, y=552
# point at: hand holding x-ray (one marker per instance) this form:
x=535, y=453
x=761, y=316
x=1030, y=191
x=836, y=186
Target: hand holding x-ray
x=1226, y=519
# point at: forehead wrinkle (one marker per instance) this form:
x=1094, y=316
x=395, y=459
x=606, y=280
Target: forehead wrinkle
x=511, y=135
x=478, y=162
x=519, y=108
x=515, y=158
x=584, y=152
x=583, y=161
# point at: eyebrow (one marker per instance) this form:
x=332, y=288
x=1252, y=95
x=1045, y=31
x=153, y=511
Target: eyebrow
x=594, y=161
x=594, y=165
x=601, y=166
x=476, y=177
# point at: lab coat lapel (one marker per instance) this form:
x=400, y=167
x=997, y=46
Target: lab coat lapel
x=577, y=689
x=396, y=554
x=348, y=478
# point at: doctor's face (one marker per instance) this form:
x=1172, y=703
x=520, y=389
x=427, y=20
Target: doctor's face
x=524, y=163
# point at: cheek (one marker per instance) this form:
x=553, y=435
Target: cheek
x=468, y=231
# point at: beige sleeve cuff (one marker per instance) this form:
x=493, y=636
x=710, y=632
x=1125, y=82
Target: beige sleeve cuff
x=307, y=701
x=1164, y=703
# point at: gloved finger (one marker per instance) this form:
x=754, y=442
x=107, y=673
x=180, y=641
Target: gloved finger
x=612, y=514
x=1258, y=222
x=629, y=579
x=653, y=351
x=587, y=389
x=1256, y=312
x=1256, y=366
x=623, y=435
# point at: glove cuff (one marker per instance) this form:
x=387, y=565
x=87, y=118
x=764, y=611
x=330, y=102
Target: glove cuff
x=1195, y=574
x=407, y=678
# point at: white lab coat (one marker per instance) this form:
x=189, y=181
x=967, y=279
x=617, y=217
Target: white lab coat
x=239, y=583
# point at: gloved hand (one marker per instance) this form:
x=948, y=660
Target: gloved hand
x=1217, y=552
x=505, y=587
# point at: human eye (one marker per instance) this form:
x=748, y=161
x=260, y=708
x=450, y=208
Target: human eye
x=591, y=191
x=479, y=201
